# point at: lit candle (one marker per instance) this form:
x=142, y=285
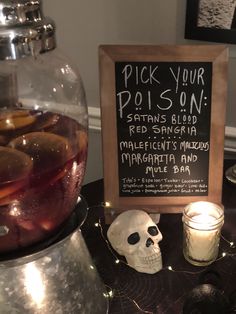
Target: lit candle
x=202, y=223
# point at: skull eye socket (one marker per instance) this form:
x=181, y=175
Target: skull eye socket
x=153, y=231
x=133, y=238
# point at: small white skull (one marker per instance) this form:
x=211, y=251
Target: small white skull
x=135, y=235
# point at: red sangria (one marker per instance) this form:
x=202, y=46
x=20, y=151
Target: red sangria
x=42, y=164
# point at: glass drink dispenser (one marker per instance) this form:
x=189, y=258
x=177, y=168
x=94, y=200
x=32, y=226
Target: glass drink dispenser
x=45, y=266
x=43, y=128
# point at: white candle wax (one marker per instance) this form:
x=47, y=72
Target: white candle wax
x=202, y=225
x=203, y=243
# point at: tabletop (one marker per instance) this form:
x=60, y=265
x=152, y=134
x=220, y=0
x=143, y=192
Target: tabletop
x=166, y=291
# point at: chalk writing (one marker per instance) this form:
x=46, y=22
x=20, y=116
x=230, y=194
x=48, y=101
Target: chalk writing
x=163, y=127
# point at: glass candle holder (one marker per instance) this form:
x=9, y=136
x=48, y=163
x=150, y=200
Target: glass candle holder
x=202, y=223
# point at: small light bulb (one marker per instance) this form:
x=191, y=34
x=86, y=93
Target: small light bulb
x=224, y=254
x=96, y=224
x=170, y=268
x=108, y=294
x=231, y=243
x=117, y=261
x=107, y=204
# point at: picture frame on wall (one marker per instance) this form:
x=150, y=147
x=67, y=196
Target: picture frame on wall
x=211, y=20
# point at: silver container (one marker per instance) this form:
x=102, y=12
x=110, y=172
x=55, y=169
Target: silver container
x=58, y=279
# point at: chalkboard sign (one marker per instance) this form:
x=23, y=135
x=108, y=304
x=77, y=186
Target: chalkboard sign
x=163, y=111
x=163, y=127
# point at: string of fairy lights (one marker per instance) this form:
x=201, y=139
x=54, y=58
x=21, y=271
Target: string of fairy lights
x=110, y=293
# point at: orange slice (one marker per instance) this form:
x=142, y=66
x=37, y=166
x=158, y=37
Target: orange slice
x=13, y=113
x=82, y=139
x=3, y=140
x=48, y=151
x=46, y=121
x=15, y=166
x=15, y=120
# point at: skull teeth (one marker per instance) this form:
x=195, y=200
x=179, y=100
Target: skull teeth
x=151, y=259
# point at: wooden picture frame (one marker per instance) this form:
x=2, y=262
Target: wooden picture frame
x=203, y=23
x=111, y=56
